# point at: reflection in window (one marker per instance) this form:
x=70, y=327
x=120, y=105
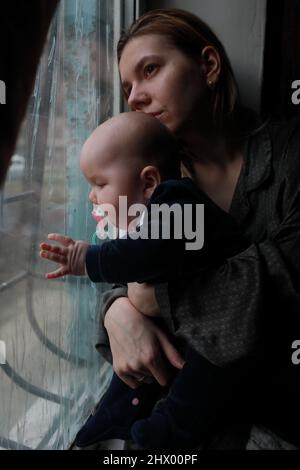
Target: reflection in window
x=53, y=376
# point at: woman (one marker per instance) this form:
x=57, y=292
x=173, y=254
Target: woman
x=172, y=66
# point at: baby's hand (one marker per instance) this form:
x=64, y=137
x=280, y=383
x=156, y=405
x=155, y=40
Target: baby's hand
x=71, y=256
x=142, y=297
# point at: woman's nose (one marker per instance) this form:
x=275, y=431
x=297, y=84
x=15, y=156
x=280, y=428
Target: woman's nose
x=138, y=99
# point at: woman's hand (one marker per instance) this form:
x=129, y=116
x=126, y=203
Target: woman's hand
x=139, y=348
x=142, y=297
x=71, y=256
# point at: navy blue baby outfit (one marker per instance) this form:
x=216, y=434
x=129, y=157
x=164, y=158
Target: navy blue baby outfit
x=200, y=390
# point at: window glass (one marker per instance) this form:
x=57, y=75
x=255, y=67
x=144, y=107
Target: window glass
x=52, y=375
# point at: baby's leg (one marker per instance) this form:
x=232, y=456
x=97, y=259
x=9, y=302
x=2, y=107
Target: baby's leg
x=120, y=406
x=193, y=404
x=118, y=409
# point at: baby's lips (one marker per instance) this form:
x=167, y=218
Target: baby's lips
x=97, y=217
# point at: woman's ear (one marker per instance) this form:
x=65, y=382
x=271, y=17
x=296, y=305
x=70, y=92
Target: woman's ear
x=211, y=65
x=151, y=178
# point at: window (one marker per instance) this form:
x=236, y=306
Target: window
x=53, y=375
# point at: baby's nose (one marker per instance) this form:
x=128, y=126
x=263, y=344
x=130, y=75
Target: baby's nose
x=92, y=197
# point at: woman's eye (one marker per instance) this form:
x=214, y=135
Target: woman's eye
x=149, y=69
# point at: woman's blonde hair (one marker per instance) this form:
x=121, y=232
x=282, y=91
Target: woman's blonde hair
x=190, y=34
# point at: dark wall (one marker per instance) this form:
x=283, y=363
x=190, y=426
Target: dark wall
x=281, y=58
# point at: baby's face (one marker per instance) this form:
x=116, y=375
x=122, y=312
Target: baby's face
x=111, y=175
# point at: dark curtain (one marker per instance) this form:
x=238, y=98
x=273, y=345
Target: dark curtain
x=24, y=27
x=281, y=58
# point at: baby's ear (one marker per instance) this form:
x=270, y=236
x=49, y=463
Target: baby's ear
x=151, y=178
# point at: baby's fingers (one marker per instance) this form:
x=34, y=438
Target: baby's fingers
x=60, y=272
x=63, y=239
x=56, y=257
x=54, y=249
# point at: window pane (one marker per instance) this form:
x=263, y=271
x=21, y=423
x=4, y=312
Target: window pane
x=53, y=375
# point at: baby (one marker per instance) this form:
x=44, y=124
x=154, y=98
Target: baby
x=136, y=156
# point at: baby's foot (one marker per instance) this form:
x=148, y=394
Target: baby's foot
x=163, y=430
x=118, y=409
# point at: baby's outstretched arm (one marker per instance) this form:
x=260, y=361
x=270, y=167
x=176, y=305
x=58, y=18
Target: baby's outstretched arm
x=71, y=255
x=142, y=297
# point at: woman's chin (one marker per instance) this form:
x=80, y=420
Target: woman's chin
x=169, y=123
x=172, y=126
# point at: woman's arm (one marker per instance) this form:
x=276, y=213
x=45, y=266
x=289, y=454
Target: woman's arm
x=142, y=297
x=107, y=299
x=138, y=346
x=137, y=295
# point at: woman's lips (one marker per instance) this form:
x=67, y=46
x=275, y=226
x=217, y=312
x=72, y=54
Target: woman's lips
x=156, y=114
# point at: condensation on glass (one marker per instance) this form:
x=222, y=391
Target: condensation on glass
x=51, y=375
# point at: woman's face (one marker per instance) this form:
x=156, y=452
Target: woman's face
x=161, y=80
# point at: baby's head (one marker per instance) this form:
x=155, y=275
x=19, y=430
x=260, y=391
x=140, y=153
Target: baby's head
x=129, y=155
